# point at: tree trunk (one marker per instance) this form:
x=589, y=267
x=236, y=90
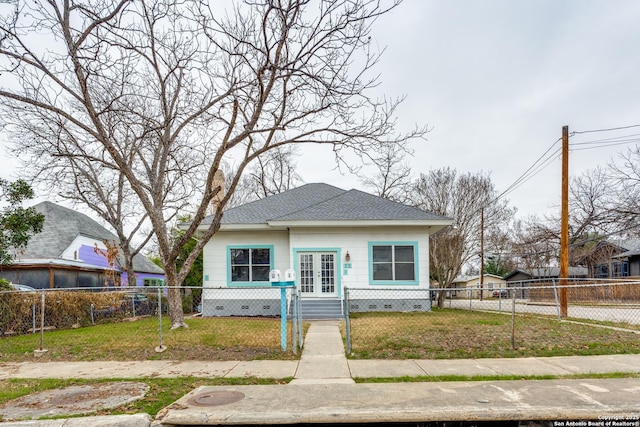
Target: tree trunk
x=128, y=265
x=175, y=299
x=442, y=293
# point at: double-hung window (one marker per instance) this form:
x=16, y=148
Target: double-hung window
x=393, y=263
x=249, y=265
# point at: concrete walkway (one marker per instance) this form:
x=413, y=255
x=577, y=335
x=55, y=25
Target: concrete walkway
x=323, y=390
x=323, y=360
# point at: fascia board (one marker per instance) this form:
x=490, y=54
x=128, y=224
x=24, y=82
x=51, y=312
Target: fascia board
x=434, y=225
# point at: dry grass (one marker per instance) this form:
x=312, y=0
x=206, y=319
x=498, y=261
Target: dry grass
x=205, y=339
x=440, y=334
x=444, y=334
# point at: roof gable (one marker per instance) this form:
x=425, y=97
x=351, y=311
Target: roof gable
x=62, y=226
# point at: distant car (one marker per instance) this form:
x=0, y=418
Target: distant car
x=136, y=303
x=502, y=293
x=19, y=287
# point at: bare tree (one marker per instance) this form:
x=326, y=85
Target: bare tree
x=532, y=244
x=625, y=186
x=392, y=179
x=272, y=173
x=592, y=215
x=166, y=92
x=461, y=197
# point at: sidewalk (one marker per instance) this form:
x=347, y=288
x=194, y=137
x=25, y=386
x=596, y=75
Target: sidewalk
x=323, y=389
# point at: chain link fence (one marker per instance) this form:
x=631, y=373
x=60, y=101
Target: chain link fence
x=134, y=324
x=519, y=319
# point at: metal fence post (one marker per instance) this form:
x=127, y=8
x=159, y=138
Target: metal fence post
x=513, y=321
x=42, y=324
x=33, y=317
x=161, y=347
x=294, y=322
x=347, y=320
x=299, y=315
x=283, y=318
x=555, y=294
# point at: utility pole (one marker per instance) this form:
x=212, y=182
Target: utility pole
x=481, y=252
x=564, y=225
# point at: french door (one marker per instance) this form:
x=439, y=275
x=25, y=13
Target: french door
x=317, y=274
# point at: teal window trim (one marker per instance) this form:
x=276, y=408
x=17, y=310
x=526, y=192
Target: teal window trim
x=338, y=265
x=416, y=268
x=250, y=283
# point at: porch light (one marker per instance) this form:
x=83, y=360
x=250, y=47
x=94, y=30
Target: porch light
x=347, y=257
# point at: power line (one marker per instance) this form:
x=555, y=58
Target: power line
x=542, y=162
x=545, y=160
x=604, y=130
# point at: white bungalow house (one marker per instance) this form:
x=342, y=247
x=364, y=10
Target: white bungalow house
x=332, y=239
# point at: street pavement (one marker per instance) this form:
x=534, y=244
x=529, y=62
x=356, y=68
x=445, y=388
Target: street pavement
x=323, y=389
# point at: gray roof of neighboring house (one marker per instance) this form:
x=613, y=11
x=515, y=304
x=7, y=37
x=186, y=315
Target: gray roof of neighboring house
x=545, y=272
x=322, y=202
x=555, y=272
x=62, y=225
x=632, y=247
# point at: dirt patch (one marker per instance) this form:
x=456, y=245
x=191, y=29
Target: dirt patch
x=74, y=400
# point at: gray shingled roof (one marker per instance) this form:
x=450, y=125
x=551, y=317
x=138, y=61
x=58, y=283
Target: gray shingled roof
x=62, y=225
x=322, y=202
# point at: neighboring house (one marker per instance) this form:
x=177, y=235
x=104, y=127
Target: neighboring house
x=632, y=259
x=332, y=239
x=490, y=283
x=522, y=280
x=613, y=259
x=64, y=255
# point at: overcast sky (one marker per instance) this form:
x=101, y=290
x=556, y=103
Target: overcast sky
x=496, y=80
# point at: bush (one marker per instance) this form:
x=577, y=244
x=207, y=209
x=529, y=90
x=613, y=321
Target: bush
x=63, y=309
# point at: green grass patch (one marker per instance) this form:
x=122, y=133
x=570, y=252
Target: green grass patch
x=463, y=334
x=452, y=378
x=205, y=339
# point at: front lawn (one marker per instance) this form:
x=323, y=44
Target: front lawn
x=456, y=334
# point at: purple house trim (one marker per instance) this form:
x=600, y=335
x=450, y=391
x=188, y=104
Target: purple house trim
x=88, y=255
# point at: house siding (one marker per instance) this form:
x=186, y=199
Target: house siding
x=356, y=241
x=215, y=260
x=222, y=298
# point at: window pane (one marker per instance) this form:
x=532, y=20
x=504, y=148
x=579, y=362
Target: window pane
x=404, y=271
x=260, y=256
x=239, y=256
x=382, y=254
x=240, y=273
x=404, y=254
x=260, y=273
x=382, y=271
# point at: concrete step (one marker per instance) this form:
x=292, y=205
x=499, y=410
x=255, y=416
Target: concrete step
x=321, y=309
